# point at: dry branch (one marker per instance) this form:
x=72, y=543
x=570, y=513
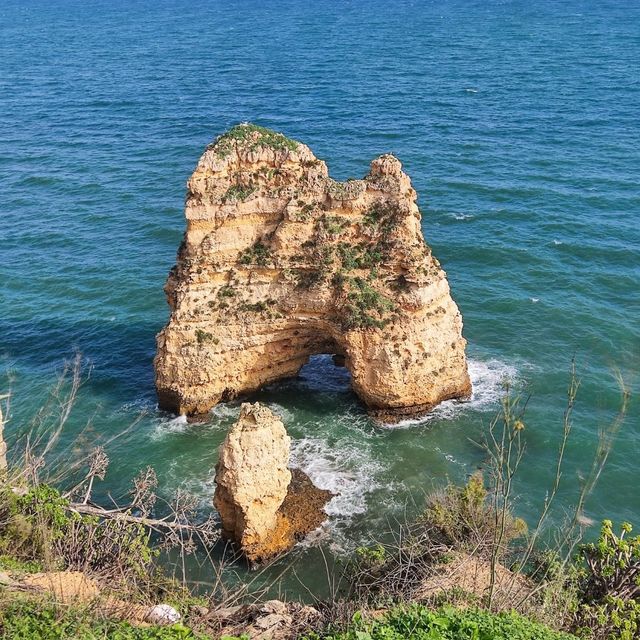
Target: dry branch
x=120, y=514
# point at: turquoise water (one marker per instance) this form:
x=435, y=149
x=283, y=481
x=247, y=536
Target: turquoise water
x=518, y=123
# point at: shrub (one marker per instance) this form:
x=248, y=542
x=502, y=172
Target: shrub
x=41, y=529
x=238, y=192
x=258, y=254
x=333, y=225
x=466, y=518
x=365, y=306
x=31, y=524
x=381, y=218
x=251, y=136
x=609, y=585
x=204, y=336
x=419, y=623
x=226, y=291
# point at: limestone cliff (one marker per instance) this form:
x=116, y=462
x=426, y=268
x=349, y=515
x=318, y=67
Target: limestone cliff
x=280, y=262
x=252, y=475
x=264, y=507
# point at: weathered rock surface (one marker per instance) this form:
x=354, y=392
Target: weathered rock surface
x=252, y=476
x=271, y=620
x=264, y=507
x=280, y=262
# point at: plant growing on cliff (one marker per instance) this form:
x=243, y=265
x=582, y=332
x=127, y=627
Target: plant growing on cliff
x=258, y=254
x=251, y=137
x=609, y=585
x=226, y=291
x=361, y=256
x=332, y=225
x=465, y=518
x=204, y=336
x=238, y=192
x=365, y=307
x=381, y=218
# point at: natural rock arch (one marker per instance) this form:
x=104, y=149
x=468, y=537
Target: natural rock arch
x=280, y=262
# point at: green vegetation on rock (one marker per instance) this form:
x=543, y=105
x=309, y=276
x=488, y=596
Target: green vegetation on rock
x=252, y=136
x=365, y=306
x=258, y=254
x=238, y=192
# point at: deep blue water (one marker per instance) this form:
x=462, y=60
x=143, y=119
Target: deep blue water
x=519, y=123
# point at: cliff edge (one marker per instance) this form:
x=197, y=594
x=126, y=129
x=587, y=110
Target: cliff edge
x=280, y=262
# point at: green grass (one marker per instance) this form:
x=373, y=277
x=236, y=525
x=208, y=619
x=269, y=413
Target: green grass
x=15, y=565
x=28, y=620
x=252, y=136
x=419, y=623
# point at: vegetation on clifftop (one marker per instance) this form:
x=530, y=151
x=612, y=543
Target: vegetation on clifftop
x=251, y=137
x=467, y=569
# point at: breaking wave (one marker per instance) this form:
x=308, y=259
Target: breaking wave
x=346, y=469
x=488, y=380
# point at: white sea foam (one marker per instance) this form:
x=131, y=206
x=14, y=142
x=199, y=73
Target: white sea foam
x=462, y=216
x=222, y=414
x=201, y=487
x=165, y=426
x=226, y=410
x=346, y=469
x=488, y=380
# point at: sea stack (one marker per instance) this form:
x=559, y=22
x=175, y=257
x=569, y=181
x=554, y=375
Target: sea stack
x=280, y=262
x=264, y=507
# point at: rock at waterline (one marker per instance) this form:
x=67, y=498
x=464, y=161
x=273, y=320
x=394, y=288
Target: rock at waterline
x=264, y=506
x=280, y=262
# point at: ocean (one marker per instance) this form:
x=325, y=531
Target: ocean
x=519, y=124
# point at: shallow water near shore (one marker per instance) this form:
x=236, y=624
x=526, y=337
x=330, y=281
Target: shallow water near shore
x=518, y=124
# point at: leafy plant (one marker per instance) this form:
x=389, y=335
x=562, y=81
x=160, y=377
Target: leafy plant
x=226, y=291
x=609, y=585
x=420, y=623
x=381, y=218
x=333, y=225
x=467, y=519
x=365, y=307
x=374, y=556
x=30, y=620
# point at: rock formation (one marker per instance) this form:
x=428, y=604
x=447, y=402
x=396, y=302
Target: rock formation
x=264, y=507
x=280, y=262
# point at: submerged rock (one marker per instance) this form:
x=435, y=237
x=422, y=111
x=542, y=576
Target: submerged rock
x=280, y=262
x=264, y=507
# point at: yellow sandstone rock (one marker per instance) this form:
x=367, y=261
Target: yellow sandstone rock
x=252, y=475
x=280, y=262
x=263, y=506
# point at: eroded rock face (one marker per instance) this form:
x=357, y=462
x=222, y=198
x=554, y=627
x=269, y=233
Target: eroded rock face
x=264, y=507
x=280, y=262
x=252, y=476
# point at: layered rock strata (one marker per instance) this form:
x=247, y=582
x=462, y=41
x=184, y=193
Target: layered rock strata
x=264, y=507
x=280, y=262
